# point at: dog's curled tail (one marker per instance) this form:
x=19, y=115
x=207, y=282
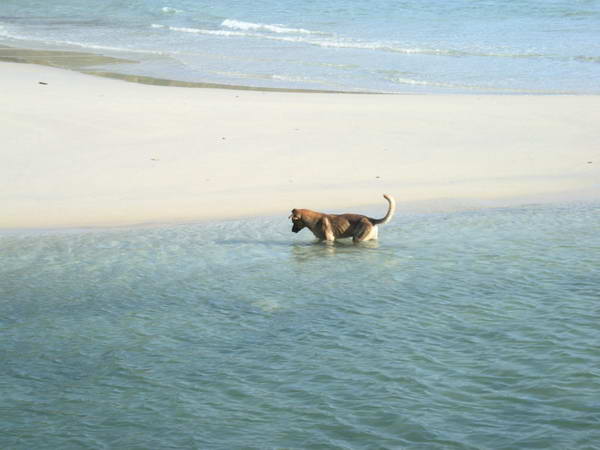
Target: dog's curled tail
x=390, y=213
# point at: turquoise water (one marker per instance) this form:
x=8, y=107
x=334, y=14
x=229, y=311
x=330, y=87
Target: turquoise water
x=466, y=330
x=480, y=46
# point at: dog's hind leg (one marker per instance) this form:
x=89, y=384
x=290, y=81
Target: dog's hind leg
x=365, y=231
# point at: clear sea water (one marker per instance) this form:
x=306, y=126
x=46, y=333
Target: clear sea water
x=464, y=330
x=431, y=46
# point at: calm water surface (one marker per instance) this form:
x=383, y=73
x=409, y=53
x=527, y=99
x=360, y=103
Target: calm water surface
x=469, y=330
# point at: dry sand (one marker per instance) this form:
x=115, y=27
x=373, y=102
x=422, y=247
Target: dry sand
x=81, y=150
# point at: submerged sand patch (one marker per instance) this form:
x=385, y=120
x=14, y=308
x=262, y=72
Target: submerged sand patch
x=91, y=63
x=57, y=58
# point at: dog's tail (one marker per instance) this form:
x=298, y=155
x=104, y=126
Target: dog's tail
x=390, y=213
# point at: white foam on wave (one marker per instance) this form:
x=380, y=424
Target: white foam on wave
x=382, y=46
x=107, y=47
x=6, y=34
x=170, y=10
x=274, y=77
x=323, y=40
x=331, y=42
x=468, y=87
x=240, y=25
x=208, y=32
x=413, y=82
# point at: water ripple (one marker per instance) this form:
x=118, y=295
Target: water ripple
x=466, y=330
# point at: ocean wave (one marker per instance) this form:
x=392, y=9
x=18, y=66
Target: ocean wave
x=105, y=47
x=250, y=30
x=276, y=77
x=240, y=25
x=332, y=42
x=400, y=80
x=384, y=46
x=206, y=32
x=170, y=10
x=414, y=82
x=6, y=34
x=62, y=42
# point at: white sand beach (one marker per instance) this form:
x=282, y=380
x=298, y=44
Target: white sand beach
x=81, y=150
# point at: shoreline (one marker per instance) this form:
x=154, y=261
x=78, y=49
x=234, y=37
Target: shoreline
x=96, y=64
x=83, y=62
x=85, y=151
x=403, y=211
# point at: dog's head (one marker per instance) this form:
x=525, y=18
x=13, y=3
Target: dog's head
x=297, y=221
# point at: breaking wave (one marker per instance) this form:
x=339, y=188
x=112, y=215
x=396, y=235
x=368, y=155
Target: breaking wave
x=328, y=42
x=239, y=29
x=170, y=10
x=240, y=25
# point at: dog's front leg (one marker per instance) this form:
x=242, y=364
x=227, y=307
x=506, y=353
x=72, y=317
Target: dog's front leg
x=327, y=230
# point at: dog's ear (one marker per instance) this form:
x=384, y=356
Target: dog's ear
x=295, y=215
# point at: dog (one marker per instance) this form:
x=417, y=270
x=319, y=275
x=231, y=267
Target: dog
x=329, y=227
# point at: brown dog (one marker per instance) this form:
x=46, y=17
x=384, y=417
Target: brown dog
x=330, y=227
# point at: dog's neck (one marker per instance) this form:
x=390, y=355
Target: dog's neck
x=310, y=217
x=313, y=220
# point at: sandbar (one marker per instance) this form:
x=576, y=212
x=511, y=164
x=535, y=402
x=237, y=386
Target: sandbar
x=80, y=150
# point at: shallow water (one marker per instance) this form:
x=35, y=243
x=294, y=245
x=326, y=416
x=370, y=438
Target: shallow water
x=465, y=330
x=489, y=46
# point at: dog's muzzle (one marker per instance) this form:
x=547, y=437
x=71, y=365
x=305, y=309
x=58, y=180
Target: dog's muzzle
x=298, y=224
